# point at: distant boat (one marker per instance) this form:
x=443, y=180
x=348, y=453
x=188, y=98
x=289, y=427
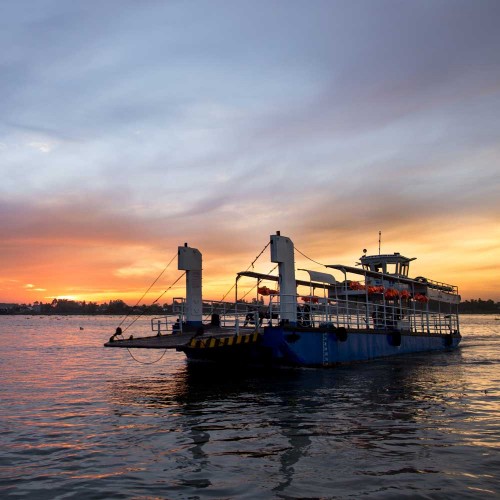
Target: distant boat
x=366, y=312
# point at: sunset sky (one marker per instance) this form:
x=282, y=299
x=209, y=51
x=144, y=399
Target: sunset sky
x=130, y=127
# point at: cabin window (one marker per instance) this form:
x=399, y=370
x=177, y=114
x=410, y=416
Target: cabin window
x=392, y=268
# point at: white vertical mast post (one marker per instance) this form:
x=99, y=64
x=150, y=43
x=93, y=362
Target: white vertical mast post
x=282, y=252
x=189, y=260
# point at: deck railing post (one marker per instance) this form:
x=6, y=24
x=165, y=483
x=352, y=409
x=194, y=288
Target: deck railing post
x=367, y=306
x=427, y=318
x=347, y=299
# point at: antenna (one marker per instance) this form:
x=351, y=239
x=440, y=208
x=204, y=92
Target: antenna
x=379, y=240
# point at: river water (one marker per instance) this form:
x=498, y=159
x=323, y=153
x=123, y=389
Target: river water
x=81, y=421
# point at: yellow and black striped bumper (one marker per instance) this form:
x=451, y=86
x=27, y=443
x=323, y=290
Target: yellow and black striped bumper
x=212, y=342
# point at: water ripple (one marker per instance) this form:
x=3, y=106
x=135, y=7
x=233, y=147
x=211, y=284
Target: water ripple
x=79, y=421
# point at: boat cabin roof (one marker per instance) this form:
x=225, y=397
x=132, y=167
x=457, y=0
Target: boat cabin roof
x=393, y=264
x=354, y=270
x=371, y=274
x=390, y=258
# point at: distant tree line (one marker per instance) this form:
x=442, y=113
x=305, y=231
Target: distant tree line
x=479, y=307
x=65, y=306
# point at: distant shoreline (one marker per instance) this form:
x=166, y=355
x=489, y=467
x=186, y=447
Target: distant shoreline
x=65, y=307
x=11, y=313
x=79, y=314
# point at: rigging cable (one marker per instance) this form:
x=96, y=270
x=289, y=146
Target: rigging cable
x=153, y=303
x=151, y=286
x=309, y=258
x=253, y=288
x=143, y=312
x=250, y=266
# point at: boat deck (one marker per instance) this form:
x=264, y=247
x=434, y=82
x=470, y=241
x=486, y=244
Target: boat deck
x=179, y=340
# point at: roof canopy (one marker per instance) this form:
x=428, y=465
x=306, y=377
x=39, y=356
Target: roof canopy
x=320, y=277
x=270, y=277
x=392, y=258
x=372, y=274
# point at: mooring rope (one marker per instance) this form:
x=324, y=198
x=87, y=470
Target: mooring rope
x=162, y=294
x=146, y=362
x=143, y=312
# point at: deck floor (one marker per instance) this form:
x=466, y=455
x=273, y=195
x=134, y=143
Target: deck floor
x=174, y=341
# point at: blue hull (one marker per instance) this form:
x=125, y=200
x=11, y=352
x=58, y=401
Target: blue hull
x=313, y=347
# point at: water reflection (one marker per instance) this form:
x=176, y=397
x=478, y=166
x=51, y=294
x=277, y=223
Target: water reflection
x=427, y=381
x=386, y=410
x=419, y=425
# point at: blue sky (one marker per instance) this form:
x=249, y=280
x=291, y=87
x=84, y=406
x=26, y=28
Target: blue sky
x=129, y=127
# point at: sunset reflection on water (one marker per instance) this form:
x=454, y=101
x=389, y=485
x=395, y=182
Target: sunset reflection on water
x=79, y=418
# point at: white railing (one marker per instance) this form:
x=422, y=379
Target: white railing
x=370, y=315
x=358, y=313
x=171, y=323
x=218, y=313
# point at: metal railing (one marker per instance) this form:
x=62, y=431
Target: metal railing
x=170, y=323
x=360, y=313
x=409, y=316
x=224, y=314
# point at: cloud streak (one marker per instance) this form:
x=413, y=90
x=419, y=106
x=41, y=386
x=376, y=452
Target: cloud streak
x=129, y=129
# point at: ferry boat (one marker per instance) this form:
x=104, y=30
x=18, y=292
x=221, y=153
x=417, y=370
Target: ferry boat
x=351, y=313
